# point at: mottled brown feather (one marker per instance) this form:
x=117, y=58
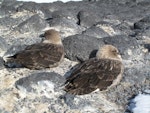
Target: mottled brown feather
x=48, y=53
x=41, y=55
x=92, y=74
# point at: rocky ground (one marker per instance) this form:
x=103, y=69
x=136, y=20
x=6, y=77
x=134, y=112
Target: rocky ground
x=84, y=27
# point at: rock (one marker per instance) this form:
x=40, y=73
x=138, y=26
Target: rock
x=143, y=3
x=35, y=7
x=7, y=9
x=95, y=32
x=143, y=23
x=67, y=14
x=144, y=35
x=88, y=103
x=66, y=26
x=88, y=45
x=127, y=45
x=107, y=27
x=1, y=63
x=87, y=18
x=146, y=32
x=30, y=25
x=135, y=80
x=81, y=47
x=115, y=28
x=49, y=81
x=84, y=27
x=135, y=75
x=29, y=6
x=124, y=29
x=14, y=49
x=3, y=46
x=8, y=23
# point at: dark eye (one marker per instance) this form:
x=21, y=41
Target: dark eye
x=115, y=51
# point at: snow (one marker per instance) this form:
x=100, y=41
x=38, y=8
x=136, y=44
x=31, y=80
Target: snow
x=47, y=1
x=141, y=104
x=89, y=109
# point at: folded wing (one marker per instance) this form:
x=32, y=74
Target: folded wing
x=93, y=74
x=39, y=56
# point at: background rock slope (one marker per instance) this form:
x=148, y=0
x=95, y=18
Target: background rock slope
x=84, y=27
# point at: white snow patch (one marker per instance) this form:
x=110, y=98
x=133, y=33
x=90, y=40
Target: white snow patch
x=22, y=91
x=142, y=104
x=47, y=1
x=46, y=85
x=89, y=109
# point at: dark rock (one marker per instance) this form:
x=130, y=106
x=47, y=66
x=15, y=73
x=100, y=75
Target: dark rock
x=29, y=6
x=95, y=32
x=121, y=94
x=143, y=3
x=8, y=23
x=7, y=9
x=147, y=32
x=114, y=1
x=124, y=29
x=62, y=23
x=84, y=47
x=67, y=14
x=115, y=28
x=87, y=18
x=35, y=7
x=47, y=14
x=135, y=80
x=35, y=79
x=89, y=24
x=8, y=2
x=123, y=43
x=14, y=49
x=130, y=12
x=12, y=3
x=66, y=26
x=143, y=23
x=147, y=46
x=146, y=57
x=81, y=46
x=135, y=75
x=30, y=25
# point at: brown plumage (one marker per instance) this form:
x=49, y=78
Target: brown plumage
x=48, y=53
x=101, y=72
